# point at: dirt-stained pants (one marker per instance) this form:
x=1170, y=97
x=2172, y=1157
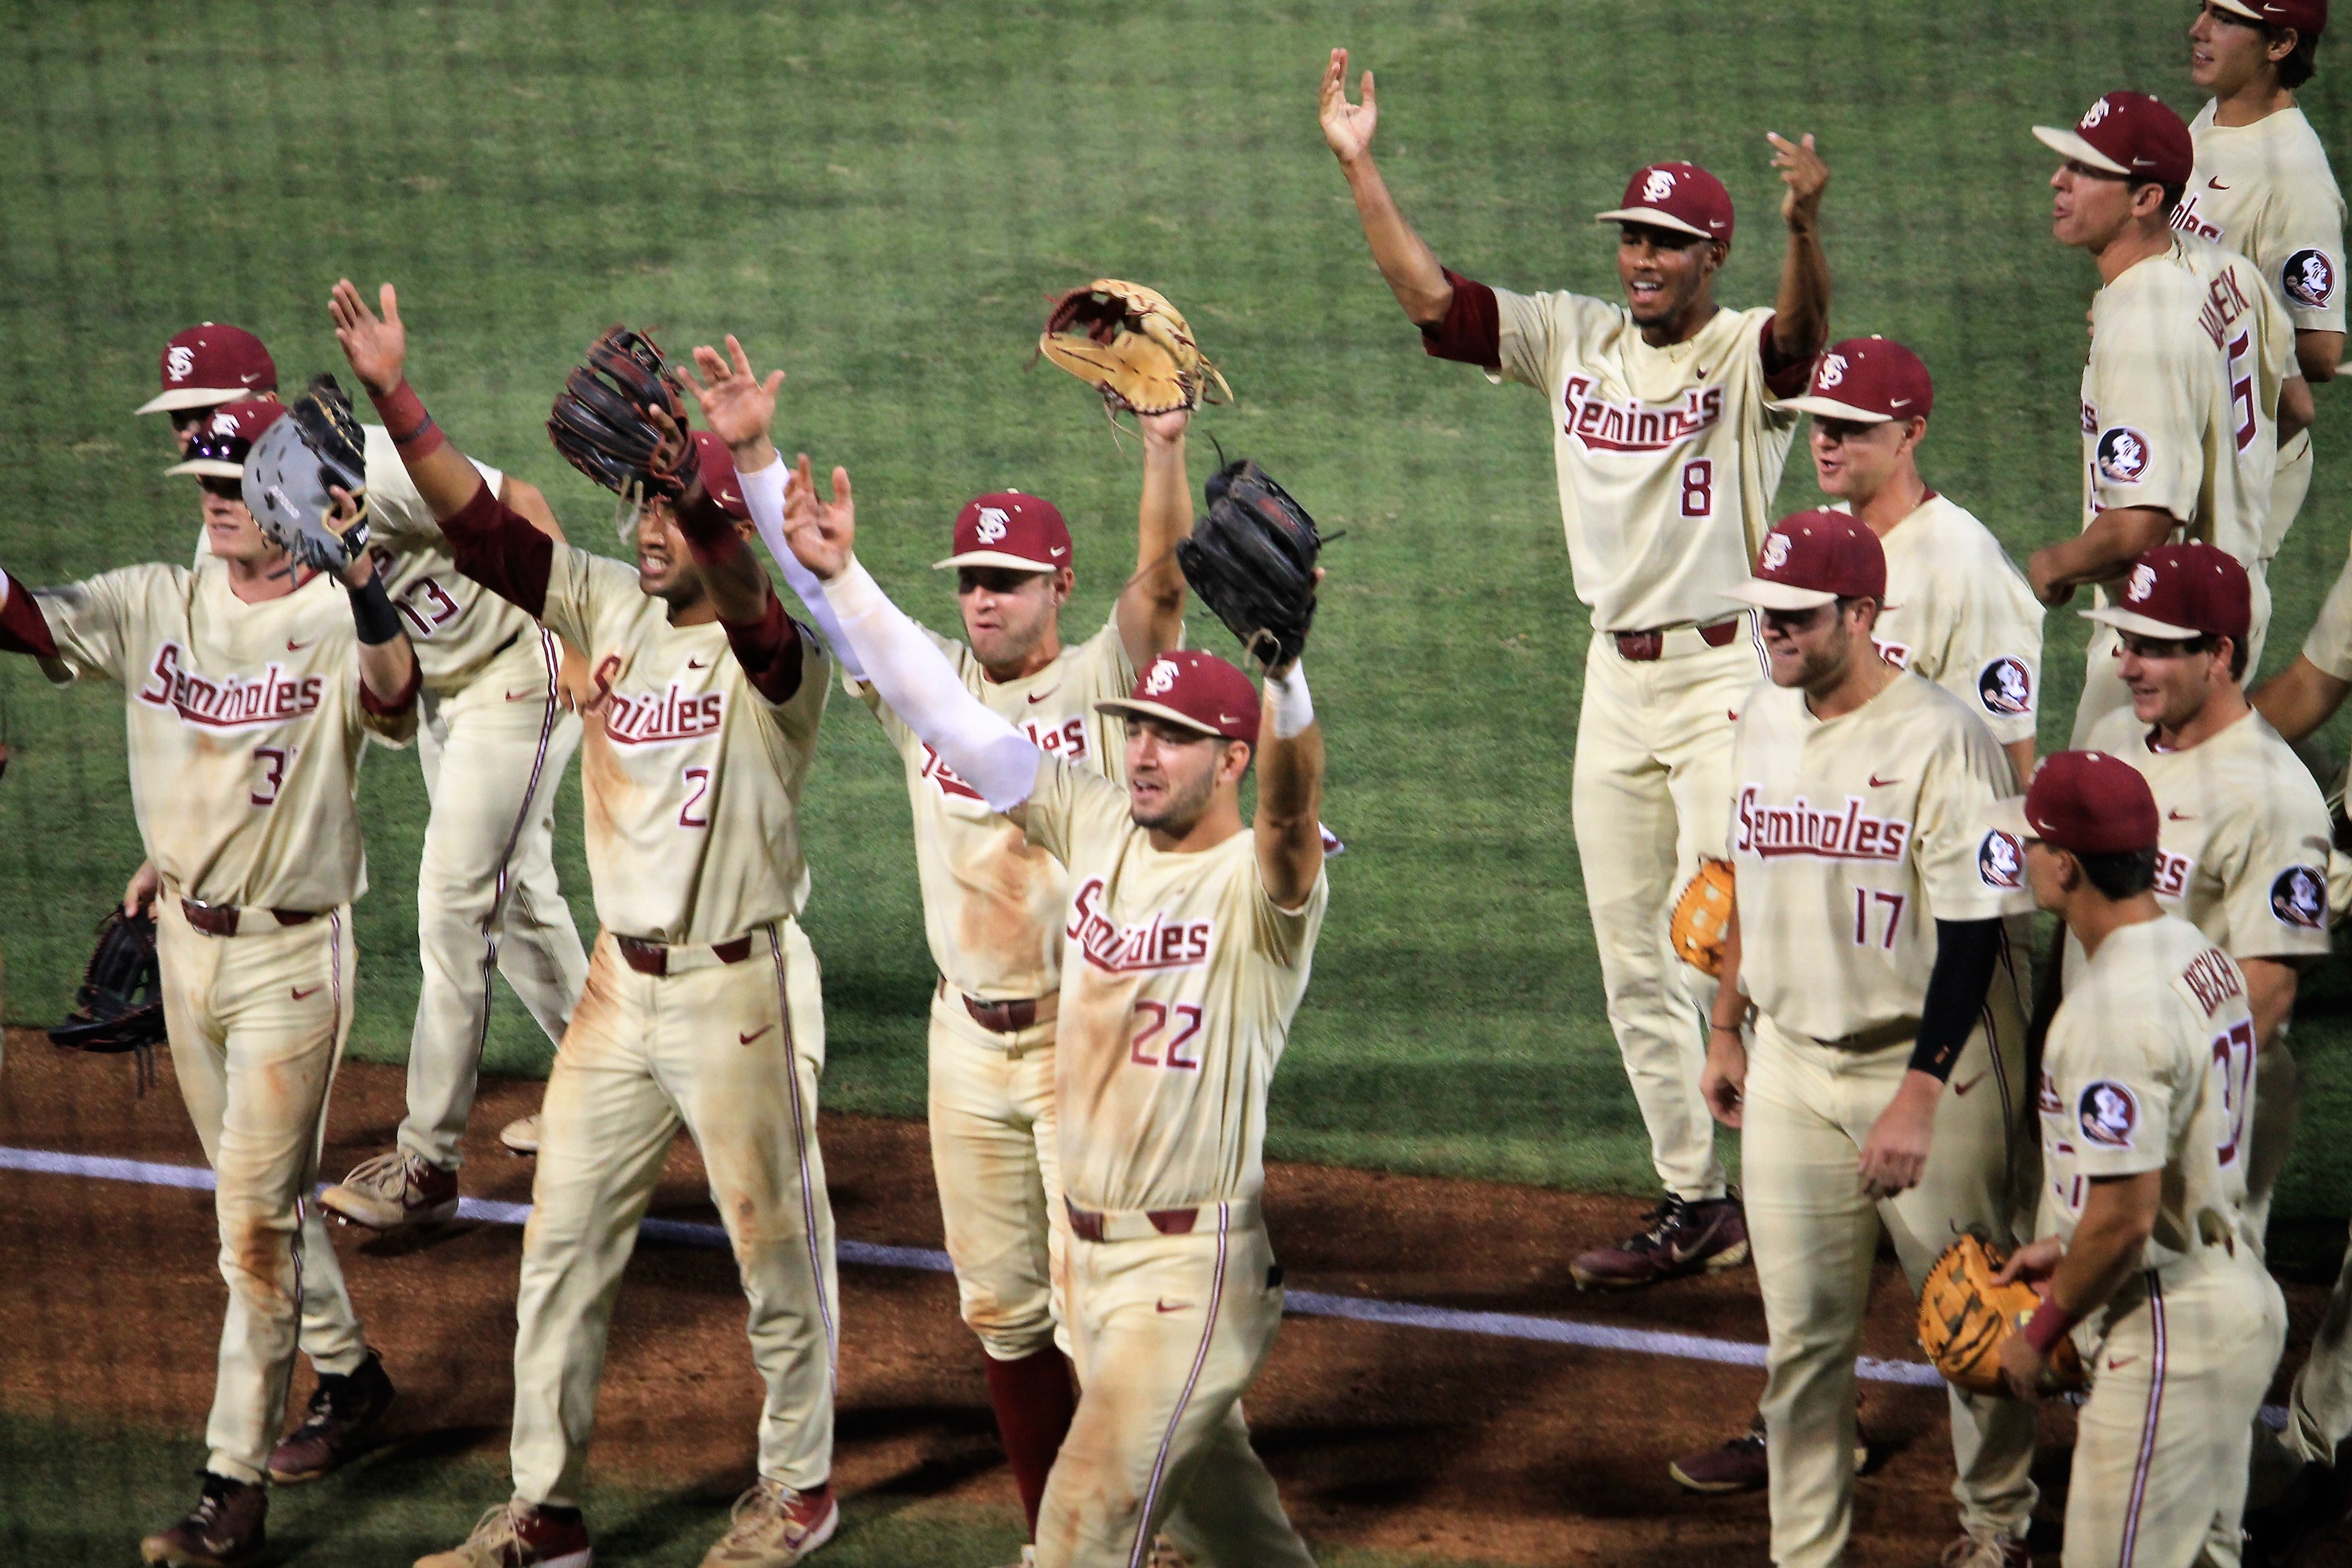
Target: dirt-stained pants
x=486, y=899
x=731, y=1052
x=257, y=1023
x=1652, y=795
x=1807, y=1109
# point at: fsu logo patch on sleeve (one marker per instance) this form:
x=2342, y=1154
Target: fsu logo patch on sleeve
x=2309, y=278
x=2122, y=455
x=2006, y=686
x=2001, y=861
x=2109, y=1113
x=2299, y=898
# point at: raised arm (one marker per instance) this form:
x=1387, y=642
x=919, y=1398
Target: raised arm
x=576, y=682
x=1801, y=320
x=1412, y=268
x=388, y=674
x=1151, y=606
x=1289, y=826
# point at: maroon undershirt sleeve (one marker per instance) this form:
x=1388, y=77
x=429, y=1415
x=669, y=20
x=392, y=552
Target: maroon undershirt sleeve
x=1782, y=379
x=398, y=705
x=22, y=627
x=769, y=648
x=498, y=547
x=1472, y=332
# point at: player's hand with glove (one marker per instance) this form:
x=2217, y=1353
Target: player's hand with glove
x=2024, y=1369
x=1896, y=1154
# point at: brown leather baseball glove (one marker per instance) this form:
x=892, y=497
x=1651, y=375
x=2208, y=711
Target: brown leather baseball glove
x=1130, y=344
x=1702, y=917
x=1964, y=1318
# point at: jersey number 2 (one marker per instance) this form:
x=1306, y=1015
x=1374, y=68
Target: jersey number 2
x=1698, y=487
x=1145, y=1049
x=695, y=812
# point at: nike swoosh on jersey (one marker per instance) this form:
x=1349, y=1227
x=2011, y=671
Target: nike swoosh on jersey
x=1733, y=717
x=303, y=995
x=1041, y=696
x=2115, y=1362
x=529, y=694
x=2176, y=815
x=293, y=646
x=743, y=1039
x=1964, y=1087
x=2215, y=183
x=1174, y=1307
x=1878, y=783
x=698, y=664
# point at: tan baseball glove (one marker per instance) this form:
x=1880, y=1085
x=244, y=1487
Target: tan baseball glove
x=1129, y=343
x=1703, y=917
x=1964, y=1318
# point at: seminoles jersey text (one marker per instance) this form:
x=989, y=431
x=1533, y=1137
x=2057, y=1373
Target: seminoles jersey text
x=229, y=701
x=1634, y=425
x=1801, y=828
x=664, y=718
x=1158, y=944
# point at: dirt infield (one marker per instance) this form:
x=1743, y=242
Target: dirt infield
x=1404, y=1438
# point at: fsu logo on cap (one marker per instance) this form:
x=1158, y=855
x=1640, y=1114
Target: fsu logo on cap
x=2309, y=278
x=2005, y=685
x=2299, y=898
x=992, y=525
x=2001, y=861
x=1775, y=552
x=2122, y=455
x=2093, y=115
x=1161, y=679
x=179, y=362
x=2108, y=1112
x=2143, y=583
x=1658, y=187
x=1832, y=371
x=223, y=423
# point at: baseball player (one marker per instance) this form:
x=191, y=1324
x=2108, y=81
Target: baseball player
x=1189, y=937
x=1668, y=449
x=993, y=901
x=1886, y=1085
x=496, y=735
x=250, y=690
x=2191, y=384
x=2261, y=185
x=701, y=1007
x=2145, y=1251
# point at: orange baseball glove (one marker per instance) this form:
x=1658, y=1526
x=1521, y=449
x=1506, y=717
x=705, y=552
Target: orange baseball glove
x=1963, y=1317
x=1702, y=918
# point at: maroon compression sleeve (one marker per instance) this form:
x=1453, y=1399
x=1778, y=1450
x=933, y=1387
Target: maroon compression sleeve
x=1473, y=329
x=769, y=649
x=22, y=627
x=1783, y=378
x=499, y=548
x=399, y=704
x=711, y=536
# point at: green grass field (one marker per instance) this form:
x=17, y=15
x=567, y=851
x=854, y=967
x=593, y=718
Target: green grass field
x=879, y=196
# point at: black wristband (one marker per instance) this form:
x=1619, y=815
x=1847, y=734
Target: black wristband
x=372, y=614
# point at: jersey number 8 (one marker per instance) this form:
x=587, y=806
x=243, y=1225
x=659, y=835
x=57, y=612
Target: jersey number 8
x=1698, y=487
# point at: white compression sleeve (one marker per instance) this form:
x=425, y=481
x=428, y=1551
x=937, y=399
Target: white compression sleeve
x=763, y=492
x=1286, y=698
x=915, y=679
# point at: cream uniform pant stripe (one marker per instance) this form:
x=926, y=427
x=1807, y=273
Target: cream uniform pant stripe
x=1183, y=1401
x=2148, y=1423
x=801, y=1155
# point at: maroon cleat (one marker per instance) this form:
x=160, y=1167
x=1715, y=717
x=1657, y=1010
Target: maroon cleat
x=225, y=1528
x=1683, y=1237
x=344, y=1409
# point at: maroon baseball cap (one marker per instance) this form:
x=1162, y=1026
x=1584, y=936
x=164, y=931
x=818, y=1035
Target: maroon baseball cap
x=719, y=474
x=1005, y=528
x=2308, y=17
x=2086, y=801
x=2130, y=134
x=1815, y=558
x=1680, y=196
x=1198, y=690
x=218, y=449
x=2182, y=591
x=1868, y=381
x=213, y=362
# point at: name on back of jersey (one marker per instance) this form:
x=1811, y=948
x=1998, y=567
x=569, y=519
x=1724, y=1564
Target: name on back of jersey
x=1634, y=425
x=1160, y=943
x=1843, y=833
x=228, y=702
x=2224, y=303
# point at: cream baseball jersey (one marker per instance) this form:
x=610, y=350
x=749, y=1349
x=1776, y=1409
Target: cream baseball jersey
x=1179, y=982
x=2265, y=191
x=455, y=625
x=245, y=726
x=1963, y=615
x=1667, y=458
x=2329, y=644
x=2243, y=854
x=2150, y=1065
x=2180, y=393
x=993, y=901
x=690, y=778
x=1850, y=839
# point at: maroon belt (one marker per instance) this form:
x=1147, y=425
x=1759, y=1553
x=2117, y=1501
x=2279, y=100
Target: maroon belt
x=1001, y=1017
x=1088, y=1226
x=220, y=920
x=653, y=957
x=1643, y=647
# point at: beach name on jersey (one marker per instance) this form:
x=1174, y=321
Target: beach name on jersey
x=1634, y=425
x=2224, y=303
x=233, y=700
x=1800, y=828
x=1156, y=944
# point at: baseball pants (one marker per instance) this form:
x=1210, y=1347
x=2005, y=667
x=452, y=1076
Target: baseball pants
x=487, y=900
x=2102, y=680
x=731, y=1052
x=995, y=1150
x=2159, y=1476
x=1807, y=1109
x=2319, y=1410
x=257, y=1023
x=1168, y=1332
x=1652, y=795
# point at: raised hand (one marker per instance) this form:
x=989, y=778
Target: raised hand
x=823, y=534
x=1802, y=171
x=377, y=346
x=1168, y=427
x=1347, y=127
x=740, y=408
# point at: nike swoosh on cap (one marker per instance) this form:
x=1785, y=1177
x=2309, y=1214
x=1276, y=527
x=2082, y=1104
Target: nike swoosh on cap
x=1899, y=403
x=1064, y=551
x=250, y=377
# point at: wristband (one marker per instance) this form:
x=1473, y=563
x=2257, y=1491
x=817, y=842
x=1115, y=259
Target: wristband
x=405, y=421
x=1286, y=700
x=2050, y=1323
x=372, y=614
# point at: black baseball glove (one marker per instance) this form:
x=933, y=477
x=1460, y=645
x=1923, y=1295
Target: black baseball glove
x=120, y=1006
x=1251, y=561
x=603, y=420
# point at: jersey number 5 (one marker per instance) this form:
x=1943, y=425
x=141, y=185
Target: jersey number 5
x=1698, y=487
x=2241, y=388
